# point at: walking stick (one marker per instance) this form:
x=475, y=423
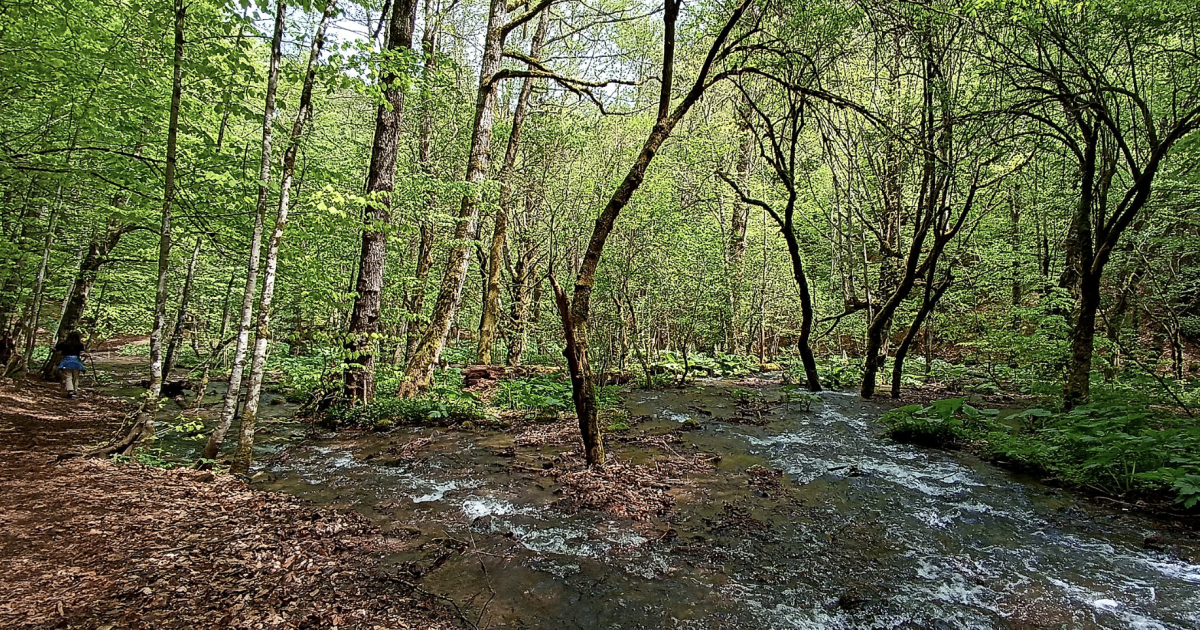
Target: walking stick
x=92, y=364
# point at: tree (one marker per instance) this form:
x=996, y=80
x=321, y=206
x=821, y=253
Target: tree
x=491, y=298
x=779, y=136
x=232, y=394
x=143, y=427
x=381, y=177
x=100, y=245
x=575, y=311
x=244, y=454
x=419, y=372
x=1118, y=116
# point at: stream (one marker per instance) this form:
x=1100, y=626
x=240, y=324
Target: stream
x=859, y=532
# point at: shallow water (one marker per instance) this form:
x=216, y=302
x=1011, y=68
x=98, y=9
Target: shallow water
x=123, y=377
x=865, y=533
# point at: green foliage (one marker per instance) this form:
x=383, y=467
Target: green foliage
x=86, y=88
x=545, y=360
x=458, y=355
x=835, y=372
x=134, y=350
x=943, y=423
x=188, y=428
x=1188, y=489
x=791, y=393
x=300, y=376
x=1030, y=346
x=656, y=379
x=546, y=393
x=1116, y=449
x=719, y=364
x=152, y=458
x=386, y=413
x=445, y=404
x=744, y=396
x=40, y=354
x=539, y=393
x=619, y=421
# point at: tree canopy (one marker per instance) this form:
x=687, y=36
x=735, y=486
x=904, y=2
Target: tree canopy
x=859, y=192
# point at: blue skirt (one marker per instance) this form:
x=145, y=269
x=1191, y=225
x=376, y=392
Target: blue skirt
x=71, y=363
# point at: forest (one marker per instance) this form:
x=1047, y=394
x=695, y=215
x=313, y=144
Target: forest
x=741, y=313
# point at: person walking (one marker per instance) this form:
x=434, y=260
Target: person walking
x=71, y=366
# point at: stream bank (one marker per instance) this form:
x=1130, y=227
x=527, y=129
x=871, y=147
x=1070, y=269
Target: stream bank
x=809, y=520
x=758, y=516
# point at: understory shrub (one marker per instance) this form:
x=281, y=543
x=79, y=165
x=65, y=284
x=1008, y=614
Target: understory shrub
x=546, y=393
x=300, y=376
x=386, y=413
x=1113, y=449
x=943, y=423
x=445, y=404
x=835, y=372
x=719, y=364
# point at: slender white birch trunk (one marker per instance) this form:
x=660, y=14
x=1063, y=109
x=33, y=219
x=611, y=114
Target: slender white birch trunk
x=244, y=454
x=229, y=409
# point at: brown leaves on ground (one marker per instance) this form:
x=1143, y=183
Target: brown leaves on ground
x=634, y=491
x=482, y=380
x=556, y=433
x=623, y=490
x=768, y=481
x=90, y=544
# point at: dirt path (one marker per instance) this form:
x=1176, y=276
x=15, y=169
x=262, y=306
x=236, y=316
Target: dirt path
x=91, y=544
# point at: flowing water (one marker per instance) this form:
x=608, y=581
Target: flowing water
x=862, y=533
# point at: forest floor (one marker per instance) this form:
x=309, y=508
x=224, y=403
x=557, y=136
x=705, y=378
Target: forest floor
x=93, y=544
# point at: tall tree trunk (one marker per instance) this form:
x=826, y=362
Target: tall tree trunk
x=1077, y=388
x=1077, y=277
x=782, y=136
x=229, y=406
x=491, y=296
x=931, y=214
x=414, y=301
x=786, y=174
x=10, y=320
x=520, y=306
x=181, y=317
x=881, y=321
x=421, y=364
x=89, y=269
x=1014, y=213
x=928, y=303
x=359, y=380
x=735, y=248
x=807, y=312
x=143, y=426
x=33, y=311
x=576, y=311
x=244, y=454
x=535, y=316
x=218, y=348
x=892, y=189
